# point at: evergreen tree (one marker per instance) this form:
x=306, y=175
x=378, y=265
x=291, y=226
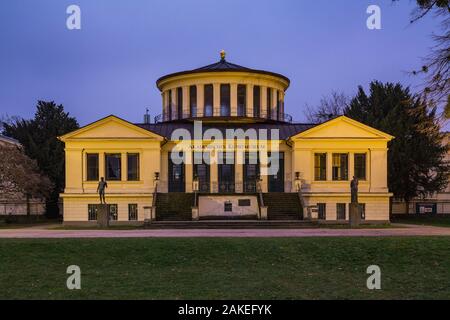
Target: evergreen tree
x=39, y=139
x=416, y=158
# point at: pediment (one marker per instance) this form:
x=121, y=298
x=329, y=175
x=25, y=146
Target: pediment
x=111, y=127
x=344, y=128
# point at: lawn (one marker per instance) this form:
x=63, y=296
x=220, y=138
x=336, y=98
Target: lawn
x=240, y=268
x=437, y=221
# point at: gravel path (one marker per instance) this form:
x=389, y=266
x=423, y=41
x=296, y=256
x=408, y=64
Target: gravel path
x=402, y=231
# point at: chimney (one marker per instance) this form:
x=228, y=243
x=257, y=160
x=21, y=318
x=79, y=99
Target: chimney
x=146, y=117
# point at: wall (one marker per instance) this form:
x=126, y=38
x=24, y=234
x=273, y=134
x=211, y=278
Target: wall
x=343, y=135
x=109, y=135
x=76, y=207
x=215, y=206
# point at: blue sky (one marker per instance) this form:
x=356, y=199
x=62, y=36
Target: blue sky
x=110, y=66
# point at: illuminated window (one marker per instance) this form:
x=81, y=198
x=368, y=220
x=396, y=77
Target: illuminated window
x=193, y=100
x=257, y=101
x=92, y=166
x=180, y=102
x=320, y=166
x=113, y=166
x=360, y=166
x=209, y=100
x=242, y=100
x=92, y=212
x=132, y=212
x=322, y=211
x=225, y=109
x=133, y=166
x=340, y=166
x=340, y=211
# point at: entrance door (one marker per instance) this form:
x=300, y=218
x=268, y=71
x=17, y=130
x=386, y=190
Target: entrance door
x=251, y=172
x=226, y=173
x=176, y=176
x=202, y=171
x=276, y=182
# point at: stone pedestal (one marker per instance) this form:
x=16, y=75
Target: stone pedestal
x=102, y=216
x=195, y=214
x=355, y=215
x=263, y=215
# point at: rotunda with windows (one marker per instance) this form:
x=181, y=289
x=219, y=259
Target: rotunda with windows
x=224, y=90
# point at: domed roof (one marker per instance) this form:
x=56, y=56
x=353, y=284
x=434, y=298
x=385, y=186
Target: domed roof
x=222, y=66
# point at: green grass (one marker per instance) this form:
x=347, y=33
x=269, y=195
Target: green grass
x=22, y=225
x=240, y=268
x=437, y=221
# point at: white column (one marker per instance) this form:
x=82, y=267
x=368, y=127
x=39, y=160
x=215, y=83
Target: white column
x=282, y=94
x=200, y=100
x=238, y=173
x=216, y=104
x=186, y=111
x=351, y=165
x=124, y=168
x=274, y=104
x=166, y=105
x=249, y=111
x=164, y=102
x=329, y=166
x=101, y=165
x=174, y=104
x=164, y=174
x=189, y=172
x=233, y=99
x=263, y=108
x=214, y=179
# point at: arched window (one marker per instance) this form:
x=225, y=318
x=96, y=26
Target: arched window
x=193, y=101
x=225, y=109
x=269, y=103
x=180, y=102
x=278, y=105
x=209, y=100
x=257, y=101
x=242, y=100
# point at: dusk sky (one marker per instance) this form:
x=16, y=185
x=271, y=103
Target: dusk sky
x=110, y=66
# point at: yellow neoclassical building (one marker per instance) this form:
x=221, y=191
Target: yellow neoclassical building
x=224, y=149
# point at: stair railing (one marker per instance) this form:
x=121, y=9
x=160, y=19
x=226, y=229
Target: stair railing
x=195, y=198
x=260, y=197
x=153, y=207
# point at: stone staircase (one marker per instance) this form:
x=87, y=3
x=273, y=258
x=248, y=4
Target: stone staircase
x=174, y=206
x=283, y=206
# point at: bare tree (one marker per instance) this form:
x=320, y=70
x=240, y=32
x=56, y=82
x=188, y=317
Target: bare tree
x=436, y=66
x=329, y=107
x=20, y=176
